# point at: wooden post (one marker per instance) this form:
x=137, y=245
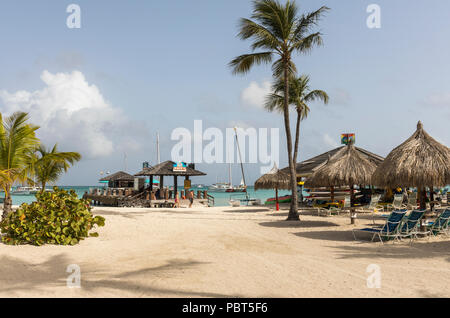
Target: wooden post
x=175, y=186
x=352, y=210
x=277, y=204
x=151, y=183
x=332, y=194
x=161, y=183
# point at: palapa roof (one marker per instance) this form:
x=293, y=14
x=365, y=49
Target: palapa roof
x=166, y=169
x=418, y=162
x=118, y=176
x=308, y=167
x=274, y=179
x=346, y=168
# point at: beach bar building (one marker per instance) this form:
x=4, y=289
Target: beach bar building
x=119, y=180
x=169, y=169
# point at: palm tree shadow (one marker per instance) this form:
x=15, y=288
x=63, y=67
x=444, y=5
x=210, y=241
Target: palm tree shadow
x=342, y=236
x=390, y=250
x=18, y=275
x=296, y=224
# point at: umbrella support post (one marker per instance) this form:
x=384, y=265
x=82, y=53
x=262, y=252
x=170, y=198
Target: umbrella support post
x=353, y=216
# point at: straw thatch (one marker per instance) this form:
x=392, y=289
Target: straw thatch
x=274, y=179
x=346, y=168
x=308, y=167
x=166, y=169
x=419, y=162
x=118, y=176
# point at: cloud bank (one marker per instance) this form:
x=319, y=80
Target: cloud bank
x=74, y=113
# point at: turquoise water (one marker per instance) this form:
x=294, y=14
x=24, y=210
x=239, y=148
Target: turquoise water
x=220, y=198
x=19, y=199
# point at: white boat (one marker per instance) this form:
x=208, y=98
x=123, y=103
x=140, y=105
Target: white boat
x=219, y=187
x=26, y=190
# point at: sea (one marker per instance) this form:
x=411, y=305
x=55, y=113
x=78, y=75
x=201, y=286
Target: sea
x=220, y=198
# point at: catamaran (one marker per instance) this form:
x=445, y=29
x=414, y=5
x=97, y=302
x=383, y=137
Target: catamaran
x=23, y=190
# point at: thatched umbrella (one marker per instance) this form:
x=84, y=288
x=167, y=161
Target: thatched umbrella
x=274, y=179
x=419, y=162
x=346, y=168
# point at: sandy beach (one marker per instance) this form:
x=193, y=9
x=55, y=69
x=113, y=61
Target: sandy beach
x=225, y=252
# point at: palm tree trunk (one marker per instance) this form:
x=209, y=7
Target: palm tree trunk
x=7, y=204
x=43, y=187
x=297, y=137
x=293, y=211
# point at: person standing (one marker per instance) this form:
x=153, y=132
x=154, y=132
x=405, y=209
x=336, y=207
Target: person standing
x=191, y=198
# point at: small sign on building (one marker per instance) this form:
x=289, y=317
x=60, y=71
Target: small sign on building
x=187, y=184
x=179, y=167
x=347, y=139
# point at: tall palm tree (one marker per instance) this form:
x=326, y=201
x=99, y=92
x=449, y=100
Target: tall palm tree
x=50, y=164
x=278, y=31
x=18, y=141
x=300, y=95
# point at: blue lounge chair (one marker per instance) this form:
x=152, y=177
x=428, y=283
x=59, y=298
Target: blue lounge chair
x=440, y=225
x=411, y=225
x=389, y=230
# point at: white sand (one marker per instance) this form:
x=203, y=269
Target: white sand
x=215, y=252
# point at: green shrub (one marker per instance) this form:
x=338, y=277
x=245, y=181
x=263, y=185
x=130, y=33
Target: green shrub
x=57, y=217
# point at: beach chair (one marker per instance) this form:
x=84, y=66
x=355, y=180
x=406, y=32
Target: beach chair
x=373, y=206
x=397, y=204
x=411, y=225
x=333, y=210
x=390, y=230
x=441, y=224
x=412, y=201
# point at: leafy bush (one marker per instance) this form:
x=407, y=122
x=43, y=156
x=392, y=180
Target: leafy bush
x=57, y=217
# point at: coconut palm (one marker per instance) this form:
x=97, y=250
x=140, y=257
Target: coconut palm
x=50, y=164
x=300, y=95
x=279, y=32
x=18, y=142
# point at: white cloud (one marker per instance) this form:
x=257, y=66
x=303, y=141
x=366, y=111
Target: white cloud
x=330, y=142
x=75, y=114
x=255, y=94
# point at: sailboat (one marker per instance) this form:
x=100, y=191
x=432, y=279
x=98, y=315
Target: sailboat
x=243, y=187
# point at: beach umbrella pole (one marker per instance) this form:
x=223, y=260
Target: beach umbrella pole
x=276, y=198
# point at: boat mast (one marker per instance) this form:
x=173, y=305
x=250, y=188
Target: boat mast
x=240, y=158
x=229, y=175
x=158, y=158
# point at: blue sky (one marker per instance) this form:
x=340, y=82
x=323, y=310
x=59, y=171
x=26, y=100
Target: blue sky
x=148, y=66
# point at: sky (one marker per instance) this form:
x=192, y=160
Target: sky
x=142, y=67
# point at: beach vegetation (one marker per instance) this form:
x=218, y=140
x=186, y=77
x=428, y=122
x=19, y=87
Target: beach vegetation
x=18, y=142
x=58, y=217
x=50, y=164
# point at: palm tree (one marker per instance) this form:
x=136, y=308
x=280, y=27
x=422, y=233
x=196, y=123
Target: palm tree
x=279, y=32
x=18, y=141
x=300, y=95
x=50, y=164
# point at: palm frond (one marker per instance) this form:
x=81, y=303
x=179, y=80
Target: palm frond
x=243, y=63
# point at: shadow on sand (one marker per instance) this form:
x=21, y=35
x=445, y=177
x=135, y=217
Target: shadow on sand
x=18, y=275
x=296, y=224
